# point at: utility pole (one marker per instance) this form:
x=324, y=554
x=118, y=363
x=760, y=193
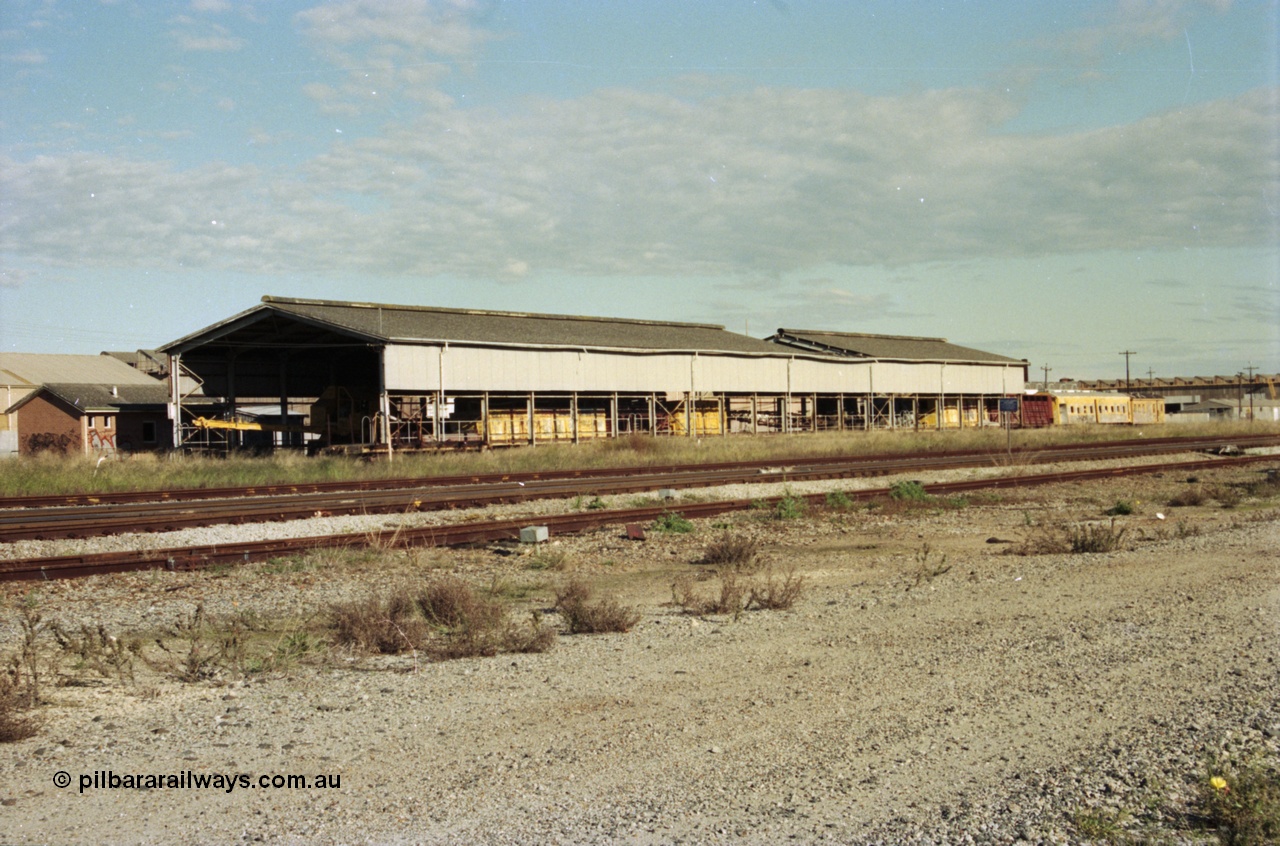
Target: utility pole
x=1047, y=369
x=1126, y=355
x=1251, y=368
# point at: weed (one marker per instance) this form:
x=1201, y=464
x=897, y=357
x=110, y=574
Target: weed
x=838, y=499
x=774, y=592
x=1188, y=497
x=97, y=650
x=290, y=649
x=471, y=625
x=1041, y=540
x=31, y=623
x=386, y=625
x=1242, y=803
x=908, y=492
x=535, y=637
x=596, y=504
x=1094, y=537
x=731, y=599
x=1103, y=825
x=926, y=569
x=549, y=559
x=582, y=616
x=736, y=551
x=672, y=522
x=1227, y=496
x=15, y=723
x=790, y=508
x=1123, y=507
x=281, y=566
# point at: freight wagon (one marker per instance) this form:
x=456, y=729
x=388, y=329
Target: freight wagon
x=1082, y=409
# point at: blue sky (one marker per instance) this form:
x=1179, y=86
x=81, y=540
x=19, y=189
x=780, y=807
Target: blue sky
x=1050, y=181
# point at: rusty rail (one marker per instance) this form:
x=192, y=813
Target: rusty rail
x=475, y=491
x=190, y=558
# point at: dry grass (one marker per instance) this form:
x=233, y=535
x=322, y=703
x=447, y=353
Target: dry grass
x=736, y=551
x=774, y=591
x=731, y=598
x=16, y=721
x=46, y=474
x=582, y=615
x=1078, y=538
x=1187, y=498
x=446, y=618
x=387, y=625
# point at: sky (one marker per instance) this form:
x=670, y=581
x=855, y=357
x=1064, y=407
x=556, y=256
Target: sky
x=1057, y=182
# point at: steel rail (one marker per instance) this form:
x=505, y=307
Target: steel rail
x=196, y=557
x=90, y=521
x=294, y=488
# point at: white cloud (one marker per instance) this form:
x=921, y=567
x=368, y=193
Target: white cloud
x=26, y=57
x=393, y=47
x=755, y=184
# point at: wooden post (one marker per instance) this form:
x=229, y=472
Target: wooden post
x=573, y=416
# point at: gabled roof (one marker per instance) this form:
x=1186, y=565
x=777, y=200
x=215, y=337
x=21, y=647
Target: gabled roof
x=316, y=322
x=32, y=369
x=93, y=397
x=145, y=361
x=897, y=347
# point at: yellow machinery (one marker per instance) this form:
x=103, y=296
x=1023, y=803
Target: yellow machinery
x=246, y=426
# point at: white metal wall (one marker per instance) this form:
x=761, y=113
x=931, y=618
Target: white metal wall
x=455, y=369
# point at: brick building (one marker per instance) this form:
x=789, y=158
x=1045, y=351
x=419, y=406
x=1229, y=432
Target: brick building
x=90, y=419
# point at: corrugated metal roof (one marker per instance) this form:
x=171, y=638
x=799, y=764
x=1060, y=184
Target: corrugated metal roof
x=32, y=369
x=92, y=396
x=900, y=347
x=401, y=324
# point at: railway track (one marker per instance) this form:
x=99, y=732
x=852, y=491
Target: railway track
x=169, y=511
x=195, y=557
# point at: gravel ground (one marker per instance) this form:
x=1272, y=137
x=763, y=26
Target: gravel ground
x=927, y=688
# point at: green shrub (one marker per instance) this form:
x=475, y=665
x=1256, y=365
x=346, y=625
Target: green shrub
x=1122, y=508
x=790, y=508
x=838, y=499
x=1242, y=804
x=908, y=492
x=672, y=522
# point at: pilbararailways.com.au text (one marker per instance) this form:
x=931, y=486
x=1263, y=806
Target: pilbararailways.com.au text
x=189, y=780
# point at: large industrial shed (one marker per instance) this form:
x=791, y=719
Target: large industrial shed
x=917, y=381
x=378, y=375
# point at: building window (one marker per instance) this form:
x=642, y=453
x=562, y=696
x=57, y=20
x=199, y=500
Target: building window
x=107, y=422
x=148, y=431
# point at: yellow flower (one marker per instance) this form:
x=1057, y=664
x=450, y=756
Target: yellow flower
x=1218, y=783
